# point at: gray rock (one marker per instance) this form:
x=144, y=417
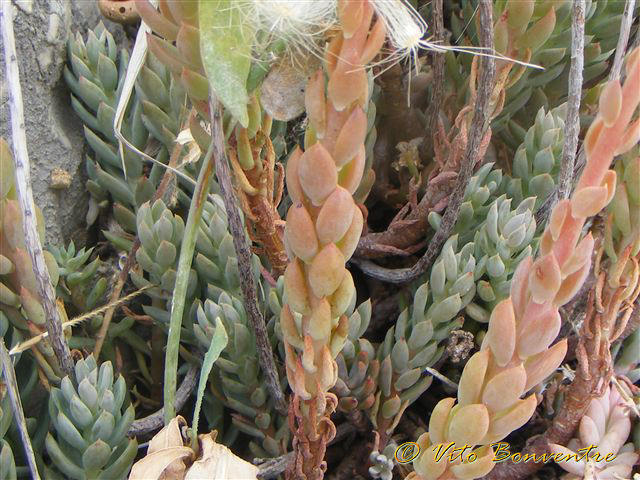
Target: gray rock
x=54, y=134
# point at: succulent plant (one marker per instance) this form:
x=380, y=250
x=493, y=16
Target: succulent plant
x=90, y=420
x=383, y=462
x=155, y=110
x=160, y=233
x=539, y=33
x=215, y=258
x=517, y=352
x=241, y=381
x=78, y=283
x=457, y=282
x=605, y=427
x=627, y=362
x=95, y=79
x=251, y=150
x=323, y=228
x=412, y=344
x=485, y=185
x=498, y=271
x=358, y=367
x=500, y=243
x=537, y=160
x=622, y=230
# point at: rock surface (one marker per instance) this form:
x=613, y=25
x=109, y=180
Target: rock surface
x=54, y=134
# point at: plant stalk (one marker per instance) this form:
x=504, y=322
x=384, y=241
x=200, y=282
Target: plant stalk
x=182, y=280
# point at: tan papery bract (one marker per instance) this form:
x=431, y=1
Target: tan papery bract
x=170, y=456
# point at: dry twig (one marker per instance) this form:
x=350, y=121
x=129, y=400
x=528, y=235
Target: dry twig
x=623, y=39
x=155, y=421
x=25, y=195
x=247, y=282
x=437, y=88
x=477, y=131
x=572, y=122
x=16, y=406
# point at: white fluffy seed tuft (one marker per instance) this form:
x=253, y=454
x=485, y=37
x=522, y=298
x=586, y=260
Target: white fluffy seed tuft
x=297, y=21
x=406, y=30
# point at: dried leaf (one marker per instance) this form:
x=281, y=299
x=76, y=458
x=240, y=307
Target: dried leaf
x=218, y=462
x=283, y=92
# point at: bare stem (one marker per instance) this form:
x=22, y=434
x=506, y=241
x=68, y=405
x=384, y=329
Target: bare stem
x=273, y=467
x=438, y=69
x=16, y=407
x=25, y=195
x=155, y=421
x=477, y=131
x=623, y=39
x=247, y=281
x=441, y=377
x=572, y=122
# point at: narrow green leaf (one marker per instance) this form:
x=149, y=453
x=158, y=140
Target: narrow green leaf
x=183, y=275
x=218, y=342
x=225, y=43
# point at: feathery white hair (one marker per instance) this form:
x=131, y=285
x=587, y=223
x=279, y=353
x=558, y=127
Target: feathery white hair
x=406, y=30
x=300, y=23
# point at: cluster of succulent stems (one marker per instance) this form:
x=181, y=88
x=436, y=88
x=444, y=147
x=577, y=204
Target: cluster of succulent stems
x=518, y=350
x=490, y=265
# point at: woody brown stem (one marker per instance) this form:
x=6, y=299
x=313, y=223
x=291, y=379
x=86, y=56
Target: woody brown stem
x=437, y=90
x=479, y=129
x=247, y=283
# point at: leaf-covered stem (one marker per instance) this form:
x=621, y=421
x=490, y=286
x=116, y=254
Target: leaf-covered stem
x=518, y=350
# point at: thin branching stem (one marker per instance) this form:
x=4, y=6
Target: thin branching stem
x=46, y=291
x=16, y=407
x=247, y=281
x=437, y=88
x=623, y=39
x=182, y=281
x=621, y=49
x=155, y=421
x=572, y=122
x=477, y=131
